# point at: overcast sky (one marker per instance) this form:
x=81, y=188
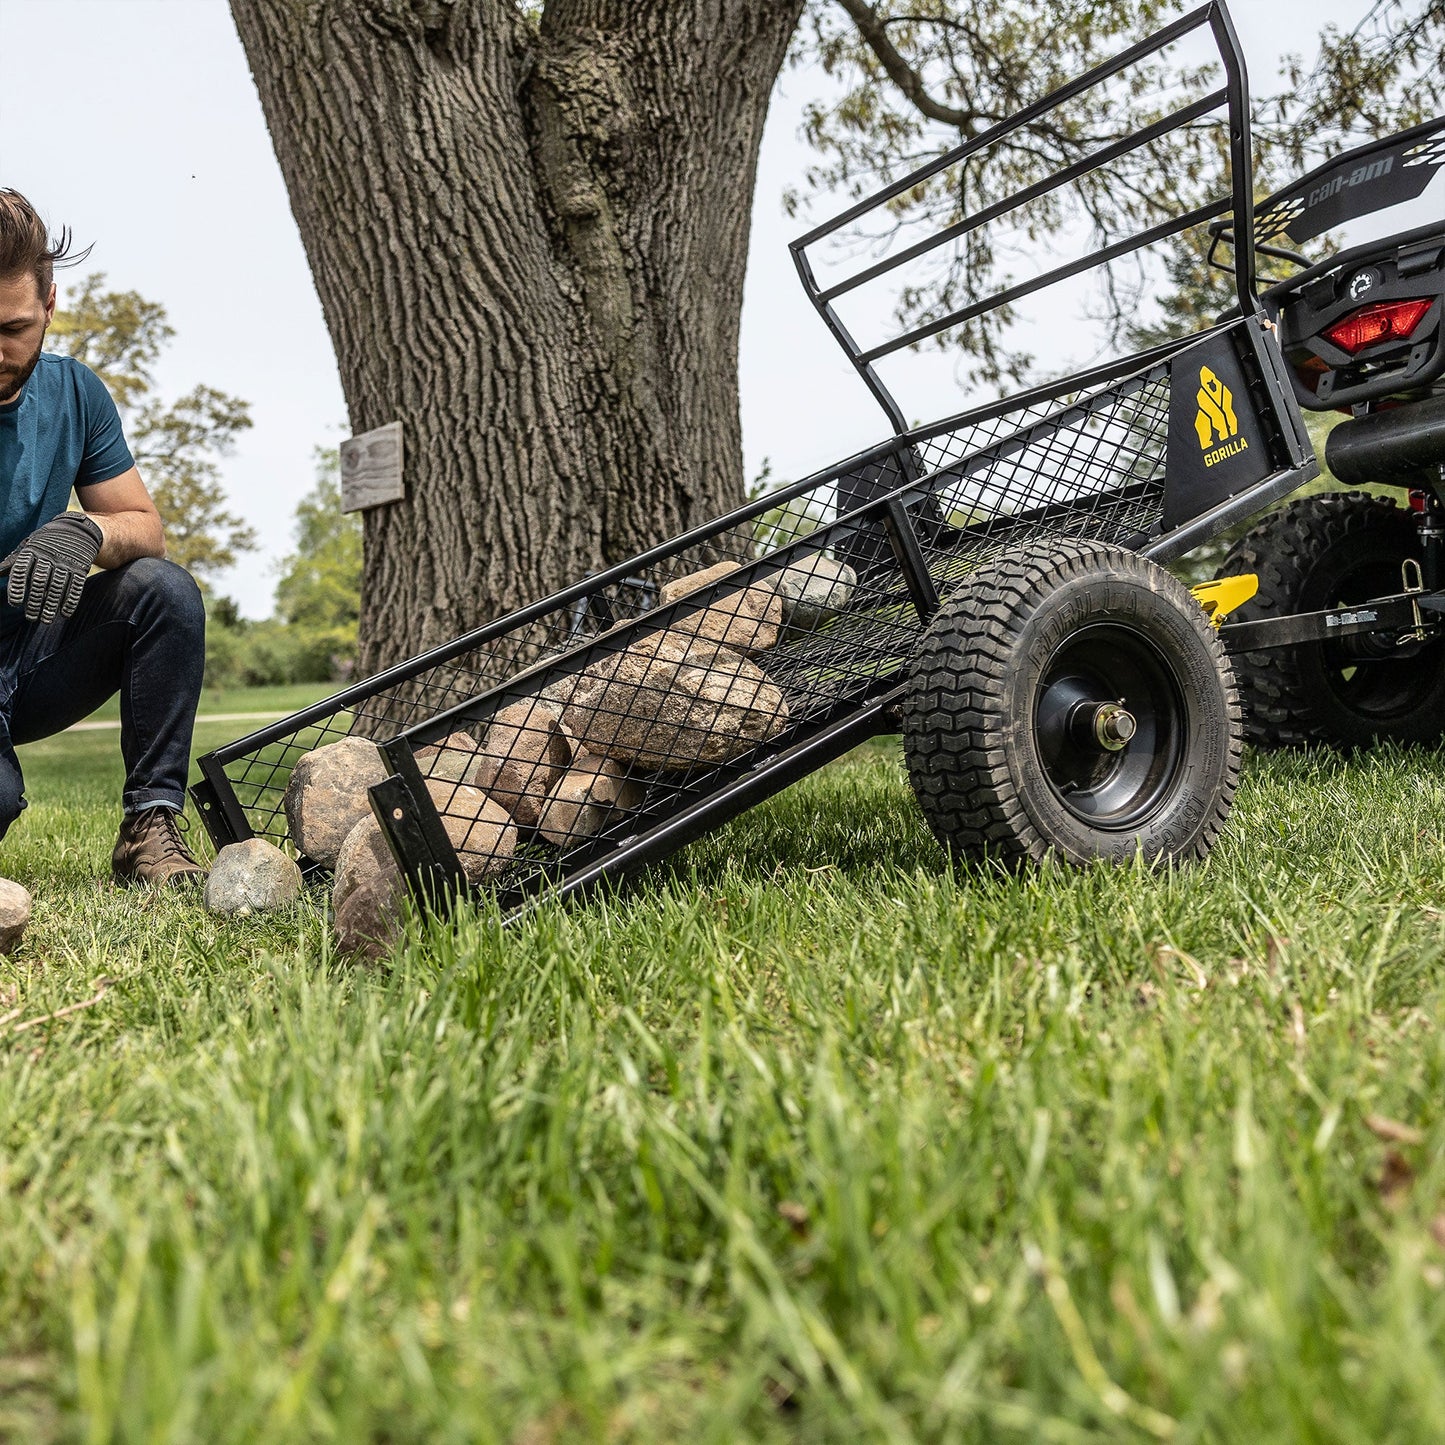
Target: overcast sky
x=135, y=123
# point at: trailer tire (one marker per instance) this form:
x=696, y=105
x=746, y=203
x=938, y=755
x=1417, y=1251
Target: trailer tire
x=1018, y=673
x=1328, y=551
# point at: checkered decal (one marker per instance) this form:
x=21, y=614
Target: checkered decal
x=1428, y=153
x=1277, y=219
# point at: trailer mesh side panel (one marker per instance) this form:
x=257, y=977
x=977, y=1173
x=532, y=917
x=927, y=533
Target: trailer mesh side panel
x=615, y=657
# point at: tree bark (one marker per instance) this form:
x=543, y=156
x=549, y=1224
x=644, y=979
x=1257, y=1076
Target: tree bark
x=529, y=240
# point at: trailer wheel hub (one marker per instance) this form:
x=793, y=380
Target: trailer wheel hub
x=1109, y=724
x=1112, y=726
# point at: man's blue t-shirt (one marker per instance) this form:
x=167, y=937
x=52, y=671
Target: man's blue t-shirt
x=62, y=431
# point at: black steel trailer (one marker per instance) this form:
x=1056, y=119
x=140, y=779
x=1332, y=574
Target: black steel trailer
x=989, y=583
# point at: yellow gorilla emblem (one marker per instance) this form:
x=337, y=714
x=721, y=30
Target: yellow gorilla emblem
x=1216, y=419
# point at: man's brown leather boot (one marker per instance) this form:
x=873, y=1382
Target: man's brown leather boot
x=152, y=849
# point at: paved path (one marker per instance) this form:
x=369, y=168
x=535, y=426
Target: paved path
x=210, y=717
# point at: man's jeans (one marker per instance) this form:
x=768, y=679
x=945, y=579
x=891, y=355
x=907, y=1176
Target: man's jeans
x=140, y=630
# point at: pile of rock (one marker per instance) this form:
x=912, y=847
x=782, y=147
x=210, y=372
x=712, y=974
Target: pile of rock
x=558, y=768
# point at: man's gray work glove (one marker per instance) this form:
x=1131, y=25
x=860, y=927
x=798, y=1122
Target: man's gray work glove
x=48, y=569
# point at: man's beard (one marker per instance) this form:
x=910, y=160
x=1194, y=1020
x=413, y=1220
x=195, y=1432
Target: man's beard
x=13, y=379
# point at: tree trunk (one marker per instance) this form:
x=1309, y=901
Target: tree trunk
x=529, y=240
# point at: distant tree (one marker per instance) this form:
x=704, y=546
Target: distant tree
x=1380, y=75
x=177, y=445
x=311, y=637
x=176, y=448
x=320, y=584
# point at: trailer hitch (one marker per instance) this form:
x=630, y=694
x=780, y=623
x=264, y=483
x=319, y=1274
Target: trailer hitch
x=1396, y=621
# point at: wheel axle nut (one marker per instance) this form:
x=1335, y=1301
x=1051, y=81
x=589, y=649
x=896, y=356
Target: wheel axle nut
x=1113, y=727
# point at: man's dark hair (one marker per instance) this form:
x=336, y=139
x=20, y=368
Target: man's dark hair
x=26, y=247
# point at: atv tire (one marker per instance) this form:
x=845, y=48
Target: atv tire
x=1331, y=551
x=1011, y=722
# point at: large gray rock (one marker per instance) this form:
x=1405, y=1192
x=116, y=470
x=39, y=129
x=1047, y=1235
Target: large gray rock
x=670, y=703
x=368, y=922
x=365, y=856
x=15, y=904
x=814, y=590
x=522, y=755
x=746, y=619
x=251, y=877
x=326, y=796
x=480, y=829
x=452, y=758
x=590, y=795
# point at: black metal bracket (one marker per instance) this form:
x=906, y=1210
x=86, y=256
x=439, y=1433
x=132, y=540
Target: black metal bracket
x=1207, y=525
x=904, y=541
x=220, y=810
x=413, y=828
x=1262, y=339
x=208, y=805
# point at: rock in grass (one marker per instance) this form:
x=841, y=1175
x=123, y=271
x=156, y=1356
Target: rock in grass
x=15, y=904
x=364, y=856
x=813, y=590
x=670, y=703
x=746, y=618
x=481, y=829
x=592, y=792
x=251, y=877
x=326, y=796
x=368, y=923
x=452, y=758
x=522, y=755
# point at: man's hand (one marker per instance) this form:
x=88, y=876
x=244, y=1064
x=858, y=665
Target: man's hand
x=48, y=569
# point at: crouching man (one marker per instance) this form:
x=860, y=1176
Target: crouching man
x=69, y=640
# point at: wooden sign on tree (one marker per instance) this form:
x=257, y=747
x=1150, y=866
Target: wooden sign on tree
x=371, y=469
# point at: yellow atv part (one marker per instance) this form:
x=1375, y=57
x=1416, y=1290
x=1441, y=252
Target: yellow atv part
x=1220, y=597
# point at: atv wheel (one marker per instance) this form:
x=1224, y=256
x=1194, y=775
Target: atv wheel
x=1331, y=551
x=1073, y=699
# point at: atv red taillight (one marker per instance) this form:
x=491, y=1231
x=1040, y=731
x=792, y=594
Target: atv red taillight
x=1389, y=321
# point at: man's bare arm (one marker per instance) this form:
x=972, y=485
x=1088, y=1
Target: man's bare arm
x=126, y=516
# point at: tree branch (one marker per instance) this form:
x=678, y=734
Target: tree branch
x=875, y=35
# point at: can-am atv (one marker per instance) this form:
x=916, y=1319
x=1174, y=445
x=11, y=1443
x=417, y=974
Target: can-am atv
x=1362, y=332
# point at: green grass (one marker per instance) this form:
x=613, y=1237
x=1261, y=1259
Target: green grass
x=288, y=697
x=809, y=1139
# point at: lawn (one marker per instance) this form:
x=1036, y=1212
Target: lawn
x=281, y=699
x=810, y=1138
